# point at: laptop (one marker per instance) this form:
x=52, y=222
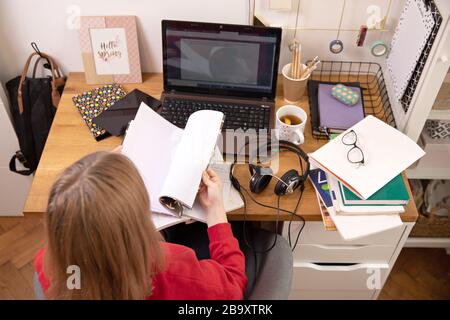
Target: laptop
x=224, y=67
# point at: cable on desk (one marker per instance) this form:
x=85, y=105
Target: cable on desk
x=290, y=223
x=294, y=213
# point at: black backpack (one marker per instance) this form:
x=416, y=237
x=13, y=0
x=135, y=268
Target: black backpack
x=33, y=103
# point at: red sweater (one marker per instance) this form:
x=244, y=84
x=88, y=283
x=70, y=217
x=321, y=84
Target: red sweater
x=185, y=277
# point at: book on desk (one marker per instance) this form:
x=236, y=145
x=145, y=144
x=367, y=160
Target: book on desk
x=367, y=197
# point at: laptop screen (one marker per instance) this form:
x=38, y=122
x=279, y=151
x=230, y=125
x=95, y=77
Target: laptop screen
x=220, y=59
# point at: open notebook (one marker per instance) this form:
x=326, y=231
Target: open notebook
x=231, y=198
x=171, y=161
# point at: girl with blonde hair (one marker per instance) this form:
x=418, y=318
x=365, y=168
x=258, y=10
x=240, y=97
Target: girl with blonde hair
x=98, y=220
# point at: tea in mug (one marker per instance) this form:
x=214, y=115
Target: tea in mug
x=291, y=120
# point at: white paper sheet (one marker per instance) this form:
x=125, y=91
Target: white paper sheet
x=162, y=221
x=150, y=143
x=192, y=155
x=353, y=227
x=231, y=198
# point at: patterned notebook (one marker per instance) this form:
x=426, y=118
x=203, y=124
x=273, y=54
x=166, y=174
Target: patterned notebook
x=414, y=80
x=91, y=103
x=414, y=27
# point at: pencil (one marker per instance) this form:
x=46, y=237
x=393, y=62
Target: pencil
x=294, y=62
x=299, y=61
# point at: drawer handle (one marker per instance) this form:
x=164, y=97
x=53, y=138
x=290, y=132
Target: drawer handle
x=341, y=267
x=340, y=247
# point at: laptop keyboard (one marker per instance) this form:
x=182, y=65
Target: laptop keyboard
x=177, y=111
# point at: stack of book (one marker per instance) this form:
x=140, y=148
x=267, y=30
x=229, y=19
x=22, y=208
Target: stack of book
x=364, y=198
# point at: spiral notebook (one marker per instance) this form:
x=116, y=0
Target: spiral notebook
x=413, y=31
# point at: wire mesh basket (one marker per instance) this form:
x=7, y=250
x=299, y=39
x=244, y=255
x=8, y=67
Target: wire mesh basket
x=369, y=75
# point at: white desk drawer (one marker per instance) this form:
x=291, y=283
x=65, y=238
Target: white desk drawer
x=331, y=294
x=343, y=253
x=314, y=233
x=363, y=276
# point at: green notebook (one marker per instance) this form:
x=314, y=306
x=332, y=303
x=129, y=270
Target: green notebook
x=393, y=193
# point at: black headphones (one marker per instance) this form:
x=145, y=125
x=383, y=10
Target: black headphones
x=261, y=176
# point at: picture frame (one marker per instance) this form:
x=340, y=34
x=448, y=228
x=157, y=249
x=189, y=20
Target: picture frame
x=110, y=49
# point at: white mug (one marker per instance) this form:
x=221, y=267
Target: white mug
x=292, y=133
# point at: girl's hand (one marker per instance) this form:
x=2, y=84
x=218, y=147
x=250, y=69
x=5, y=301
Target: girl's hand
x=211, y=198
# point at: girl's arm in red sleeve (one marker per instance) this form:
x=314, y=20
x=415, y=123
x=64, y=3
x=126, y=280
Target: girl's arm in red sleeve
x=220, y=278
x=224, y=249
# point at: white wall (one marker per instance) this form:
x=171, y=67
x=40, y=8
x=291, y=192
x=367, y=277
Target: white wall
x=318, y=24
x=13, y=187
x=48, y=22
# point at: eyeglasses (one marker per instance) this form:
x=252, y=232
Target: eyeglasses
x=355, y=154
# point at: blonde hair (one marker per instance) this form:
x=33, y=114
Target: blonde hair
x=98, y=218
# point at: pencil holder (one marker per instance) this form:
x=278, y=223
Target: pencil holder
x=293, y=89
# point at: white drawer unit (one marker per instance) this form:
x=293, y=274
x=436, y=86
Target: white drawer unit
x=312, y=276
x=334, y=281
x=343, y=253
x=326, y=266
x=314, y=233
x=331, y=295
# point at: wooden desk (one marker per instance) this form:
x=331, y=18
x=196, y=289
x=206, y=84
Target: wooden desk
x=69, y=140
